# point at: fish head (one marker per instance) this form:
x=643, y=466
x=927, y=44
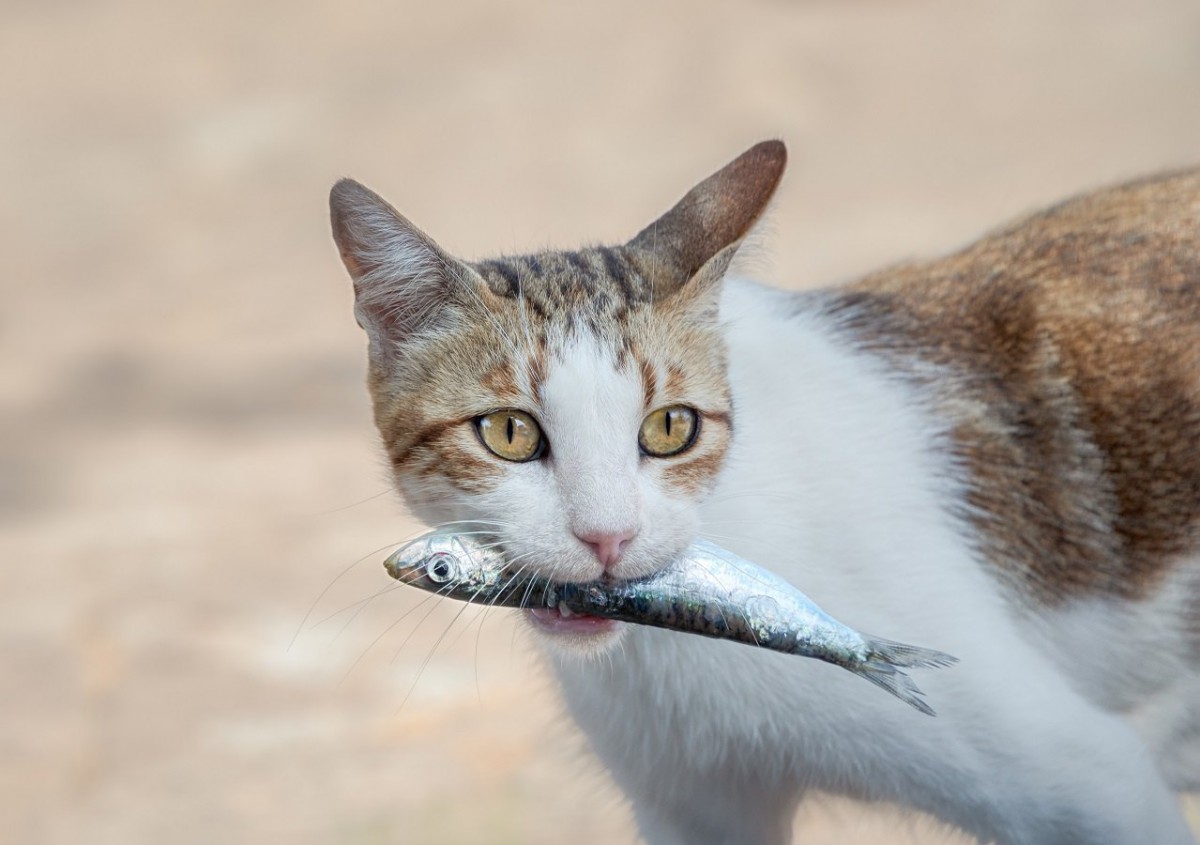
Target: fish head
x=444, y=563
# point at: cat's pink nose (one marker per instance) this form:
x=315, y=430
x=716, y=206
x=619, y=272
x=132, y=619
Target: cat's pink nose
x=607, y=546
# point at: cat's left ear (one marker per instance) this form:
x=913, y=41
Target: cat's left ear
x=405, y=285
x=689, y=249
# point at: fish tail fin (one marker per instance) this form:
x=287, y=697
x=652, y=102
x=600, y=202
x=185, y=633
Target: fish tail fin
x=890, y=678
x=881, y=668
x=908, y=656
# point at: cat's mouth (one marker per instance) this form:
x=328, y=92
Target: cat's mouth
x=561, y=620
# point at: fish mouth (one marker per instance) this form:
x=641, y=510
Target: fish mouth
x=558, y=621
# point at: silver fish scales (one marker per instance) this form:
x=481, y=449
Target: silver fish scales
x=708, y=591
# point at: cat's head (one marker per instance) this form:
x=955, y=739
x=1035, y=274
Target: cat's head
x=577, y=403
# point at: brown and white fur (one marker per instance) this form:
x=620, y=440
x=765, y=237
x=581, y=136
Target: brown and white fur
x=995, y=453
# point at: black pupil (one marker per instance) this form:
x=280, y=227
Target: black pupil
x=667, y=422
x=440, y=569
x=509, y=430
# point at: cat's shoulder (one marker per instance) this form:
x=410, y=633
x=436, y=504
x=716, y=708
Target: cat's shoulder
x=1069, y=348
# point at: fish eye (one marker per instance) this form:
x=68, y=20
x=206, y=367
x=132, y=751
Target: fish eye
x=440, y=568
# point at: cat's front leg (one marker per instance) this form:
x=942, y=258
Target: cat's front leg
x=1093, y=787
x=689, y=808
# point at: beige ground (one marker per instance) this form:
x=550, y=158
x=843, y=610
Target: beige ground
x=183, y=431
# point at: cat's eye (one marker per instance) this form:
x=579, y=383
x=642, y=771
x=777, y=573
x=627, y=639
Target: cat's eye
x=512, y=435
x=668, y=431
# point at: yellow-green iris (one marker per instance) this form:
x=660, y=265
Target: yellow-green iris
x=668, y=431
x=512, y=435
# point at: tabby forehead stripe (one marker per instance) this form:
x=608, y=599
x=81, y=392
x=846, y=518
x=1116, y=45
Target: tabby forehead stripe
x=585, y=269
x=535, y=371
x=649, y=382
x=676, y=380
x=503, y=272
x=565, y=280
x=502, y=381
x=617, y=271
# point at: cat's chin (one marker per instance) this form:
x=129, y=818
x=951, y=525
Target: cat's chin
x=575, y=635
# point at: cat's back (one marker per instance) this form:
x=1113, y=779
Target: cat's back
x=1123, y=256
x=1066, y=349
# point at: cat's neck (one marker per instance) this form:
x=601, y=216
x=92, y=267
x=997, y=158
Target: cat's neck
x=837, y=461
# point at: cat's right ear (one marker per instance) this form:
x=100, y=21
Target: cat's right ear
x=404, y=283
x=690, y=247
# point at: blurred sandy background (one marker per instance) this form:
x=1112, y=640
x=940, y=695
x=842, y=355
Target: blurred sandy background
x=183, y=428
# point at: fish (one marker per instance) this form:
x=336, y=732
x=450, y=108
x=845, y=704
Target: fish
x=707, y=590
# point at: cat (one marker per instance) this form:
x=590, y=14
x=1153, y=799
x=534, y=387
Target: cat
x=995, y=454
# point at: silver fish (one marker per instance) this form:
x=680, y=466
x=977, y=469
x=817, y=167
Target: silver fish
x=708, y=590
